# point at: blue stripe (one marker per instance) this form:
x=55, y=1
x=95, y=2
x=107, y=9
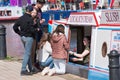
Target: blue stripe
x=108, y=28
x=85, y=67
x=101, y=68
x=96, y=75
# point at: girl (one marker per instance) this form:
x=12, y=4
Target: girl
x=84, y=56
x=59, y=45
x=44, y=53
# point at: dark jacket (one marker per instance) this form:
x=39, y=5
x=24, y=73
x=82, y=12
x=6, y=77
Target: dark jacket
x=24, y=26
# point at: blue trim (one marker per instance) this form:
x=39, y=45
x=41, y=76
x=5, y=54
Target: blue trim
x=49, y=28
x=91, y=65
x=96, y=75
x=101, y=68
x=108, y=28
x=74, y=64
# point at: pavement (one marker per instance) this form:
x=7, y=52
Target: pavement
x=10, y=70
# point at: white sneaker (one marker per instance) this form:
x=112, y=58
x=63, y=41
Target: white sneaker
x=51, y=72
x=45, y=71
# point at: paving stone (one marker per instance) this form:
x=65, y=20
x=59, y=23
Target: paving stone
x=10, y=70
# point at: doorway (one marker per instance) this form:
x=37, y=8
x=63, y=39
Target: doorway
x=77, y=35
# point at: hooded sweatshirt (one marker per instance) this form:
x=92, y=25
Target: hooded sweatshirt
x=59, y=46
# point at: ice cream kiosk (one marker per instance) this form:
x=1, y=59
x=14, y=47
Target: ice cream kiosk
x=104, y=28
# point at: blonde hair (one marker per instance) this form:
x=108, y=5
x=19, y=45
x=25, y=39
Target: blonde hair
x=45, y=37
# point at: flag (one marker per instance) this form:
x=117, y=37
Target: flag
x=97, y=1
x=111, y=3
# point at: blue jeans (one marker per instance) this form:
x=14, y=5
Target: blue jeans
x=27, y=41
x=48, y=63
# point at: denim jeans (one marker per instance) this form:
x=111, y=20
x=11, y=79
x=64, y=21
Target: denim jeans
x=27, y=41
x=48, y=62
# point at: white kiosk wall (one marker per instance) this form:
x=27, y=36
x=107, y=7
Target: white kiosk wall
x=105, y=38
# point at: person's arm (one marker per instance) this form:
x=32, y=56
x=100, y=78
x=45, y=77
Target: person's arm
x=33, y=27
x=16, y=27
x=66, y=43
x=77, y=59
x=69, y=35
x=84, y=53
x=48, y=48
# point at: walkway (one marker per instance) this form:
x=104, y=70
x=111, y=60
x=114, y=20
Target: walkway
x=10, y=70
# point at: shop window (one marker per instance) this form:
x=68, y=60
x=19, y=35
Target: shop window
x=5, y=13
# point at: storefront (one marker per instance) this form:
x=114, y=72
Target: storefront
x=104, y=28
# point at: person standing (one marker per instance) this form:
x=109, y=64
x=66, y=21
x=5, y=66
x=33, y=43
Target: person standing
x=39, y=4
x=39, y=18
x=60, y=46
x=24, y=27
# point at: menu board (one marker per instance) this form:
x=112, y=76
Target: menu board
x=115, y=40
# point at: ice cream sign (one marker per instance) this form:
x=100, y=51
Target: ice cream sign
x=115, y=41
x=82, y=18
x=110, y=17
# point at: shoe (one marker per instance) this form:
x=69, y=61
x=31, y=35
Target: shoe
x=51, y=72
x=34, y=70
x=45, y=71
x=25, y=73
x=36, y=65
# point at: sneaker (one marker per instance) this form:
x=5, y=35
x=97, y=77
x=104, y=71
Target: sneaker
x=45, y=71
x=25, y=73
x=51, y=72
